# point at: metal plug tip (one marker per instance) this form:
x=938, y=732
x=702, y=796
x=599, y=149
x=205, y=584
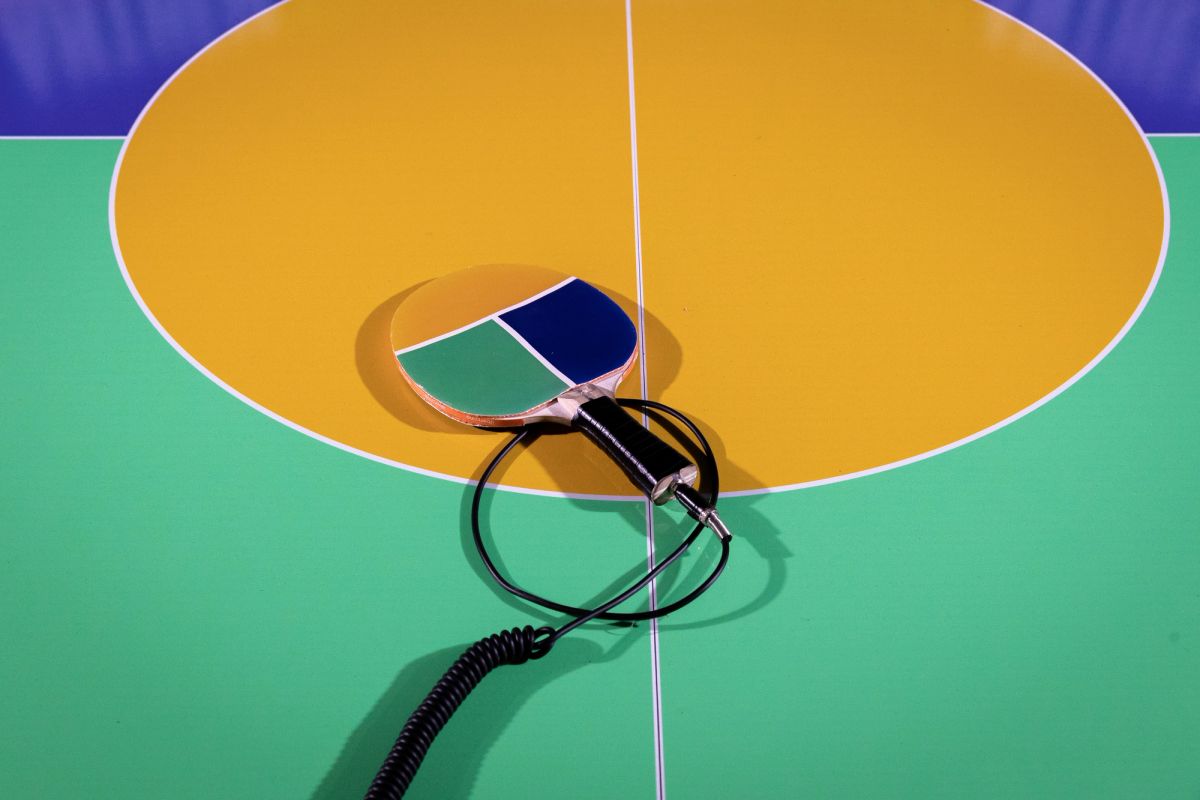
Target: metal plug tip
x=718, y=527
x=701, y=511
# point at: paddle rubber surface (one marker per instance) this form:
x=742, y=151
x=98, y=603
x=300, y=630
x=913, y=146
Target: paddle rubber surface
x=523, y=356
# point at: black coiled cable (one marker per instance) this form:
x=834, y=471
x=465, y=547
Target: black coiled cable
x=514, y=646
x=518, y=645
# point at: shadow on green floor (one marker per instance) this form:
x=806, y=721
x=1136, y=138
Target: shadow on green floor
x=452, y=766
x=755, y=537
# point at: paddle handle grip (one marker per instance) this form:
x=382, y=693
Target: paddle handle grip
x=652, y=465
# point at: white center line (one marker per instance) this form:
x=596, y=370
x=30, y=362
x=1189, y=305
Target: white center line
x=655, y=670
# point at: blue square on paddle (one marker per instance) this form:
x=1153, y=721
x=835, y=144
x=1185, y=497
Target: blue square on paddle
x=578, y=329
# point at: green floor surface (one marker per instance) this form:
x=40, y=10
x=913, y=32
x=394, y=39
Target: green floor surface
x=199, y=602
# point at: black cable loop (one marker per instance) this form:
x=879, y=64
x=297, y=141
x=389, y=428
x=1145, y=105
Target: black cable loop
x=709, y=486
x=518, y=645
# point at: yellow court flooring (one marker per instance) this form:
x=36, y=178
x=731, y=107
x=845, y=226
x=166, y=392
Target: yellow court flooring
x=887, y=249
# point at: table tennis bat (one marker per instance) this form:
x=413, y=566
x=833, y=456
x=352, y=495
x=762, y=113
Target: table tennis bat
x=502, y=346
x=506, y=346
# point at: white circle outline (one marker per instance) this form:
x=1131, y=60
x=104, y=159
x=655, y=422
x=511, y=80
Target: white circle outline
x=112, y=224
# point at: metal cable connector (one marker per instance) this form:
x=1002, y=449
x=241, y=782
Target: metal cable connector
x=699, y=510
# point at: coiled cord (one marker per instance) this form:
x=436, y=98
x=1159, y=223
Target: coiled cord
x=514, y=646
x=518, y=645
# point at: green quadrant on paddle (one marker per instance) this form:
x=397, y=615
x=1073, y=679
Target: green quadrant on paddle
x=482, y=370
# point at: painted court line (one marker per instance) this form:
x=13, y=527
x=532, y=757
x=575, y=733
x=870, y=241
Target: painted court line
x=206, y=372
x=641, y=317
x=660, y=780
x=656, y=672
x=495, y=315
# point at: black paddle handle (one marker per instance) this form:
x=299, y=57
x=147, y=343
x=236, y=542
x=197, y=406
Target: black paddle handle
x=653, y=465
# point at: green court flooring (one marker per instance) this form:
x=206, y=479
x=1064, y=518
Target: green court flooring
x=201, y=603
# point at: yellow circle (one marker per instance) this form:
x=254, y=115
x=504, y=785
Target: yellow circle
x=868, y=231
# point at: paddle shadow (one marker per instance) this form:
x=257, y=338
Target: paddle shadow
x=752, y=529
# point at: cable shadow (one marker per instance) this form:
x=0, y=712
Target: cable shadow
x=753, y=528
x=451, y=768
x=748, y=525
x=628, y=517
